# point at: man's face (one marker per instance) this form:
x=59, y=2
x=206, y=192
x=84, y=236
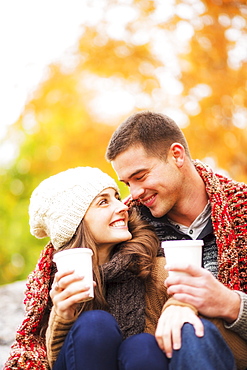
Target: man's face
x=157, y=183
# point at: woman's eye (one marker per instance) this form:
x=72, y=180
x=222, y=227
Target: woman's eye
x=102, y=202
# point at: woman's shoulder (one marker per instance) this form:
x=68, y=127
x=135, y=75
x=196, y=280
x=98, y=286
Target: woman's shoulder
x=159, y=261
x=159, y=271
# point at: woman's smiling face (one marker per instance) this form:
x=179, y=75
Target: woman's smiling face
x=107, y=219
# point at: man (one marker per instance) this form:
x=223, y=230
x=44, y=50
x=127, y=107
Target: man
x=185, y=199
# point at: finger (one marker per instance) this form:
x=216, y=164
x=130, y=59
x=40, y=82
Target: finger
x=66, y=300
x=199, y=328
x=182, y=280
x=67, y=280
x=56, y=286
x=76, y=287
x=187, y=268
x=176, y=337
x=163, y=337
x=168, y=341
x=64, y=304
x=60, y=275
x=192, y=290
x=159, y=332
x=194, y=320
x=66, y=284
x=195, y=301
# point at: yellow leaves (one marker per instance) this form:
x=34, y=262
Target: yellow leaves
x=114, y=57
x=225, y=2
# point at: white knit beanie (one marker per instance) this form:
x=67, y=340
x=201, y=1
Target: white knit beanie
x=59, y=203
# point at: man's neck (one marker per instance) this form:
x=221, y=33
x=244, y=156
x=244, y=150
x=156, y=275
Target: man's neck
x=193, y=201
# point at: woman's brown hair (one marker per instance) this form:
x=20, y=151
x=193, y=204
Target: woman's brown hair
x=143, y=248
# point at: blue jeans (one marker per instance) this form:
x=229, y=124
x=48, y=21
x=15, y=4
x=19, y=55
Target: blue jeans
x=95, y=343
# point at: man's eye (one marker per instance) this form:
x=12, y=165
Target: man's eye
x=140, y=177
x=117, y=196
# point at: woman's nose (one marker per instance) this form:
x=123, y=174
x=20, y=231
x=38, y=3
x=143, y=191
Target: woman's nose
x=121, y=207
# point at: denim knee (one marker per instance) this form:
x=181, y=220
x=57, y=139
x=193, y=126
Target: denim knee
x=141, y=351
x=95, y=323
x=209, y=352
x=92, y=343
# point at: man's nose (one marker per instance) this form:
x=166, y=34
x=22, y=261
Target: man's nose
x=136, y=191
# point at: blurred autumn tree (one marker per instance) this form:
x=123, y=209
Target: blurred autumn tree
x=180, y=58
x=214, y=76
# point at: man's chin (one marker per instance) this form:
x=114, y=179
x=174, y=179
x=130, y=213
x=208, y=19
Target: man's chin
x=155, y=213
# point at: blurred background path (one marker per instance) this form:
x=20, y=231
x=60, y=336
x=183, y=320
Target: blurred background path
x=11, y=315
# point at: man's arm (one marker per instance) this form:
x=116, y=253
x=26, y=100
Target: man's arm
x=209, y=296
x=240, y=324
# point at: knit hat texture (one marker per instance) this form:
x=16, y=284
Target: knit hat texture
x=60, y=202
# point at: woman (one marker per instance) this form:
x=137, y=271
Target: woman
x=80, y=207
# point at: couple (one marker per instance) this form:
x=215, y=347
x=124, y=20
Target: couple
x=135, y=320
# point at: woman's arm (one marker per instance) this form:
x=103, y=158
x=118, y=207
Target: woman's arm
x=58, y=328
x=66, y=299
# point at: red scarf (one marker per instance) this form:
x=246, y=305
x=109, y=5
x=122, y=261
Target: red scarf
x=228, y=200
x=28, y=351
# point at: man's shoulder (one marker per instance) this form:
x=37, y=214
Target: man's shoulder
x=216, y=183
x=233, y=189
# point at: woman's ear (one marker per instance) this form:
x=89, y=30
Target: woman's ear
x=178, y=153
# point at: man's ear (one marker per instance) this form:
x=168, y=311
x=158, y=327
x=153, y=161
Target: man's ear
x=178, y=153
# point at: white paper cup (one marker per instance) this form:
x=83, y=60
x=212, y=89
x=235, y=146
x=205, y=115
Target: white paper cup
x=183, y=252
x=79, y=260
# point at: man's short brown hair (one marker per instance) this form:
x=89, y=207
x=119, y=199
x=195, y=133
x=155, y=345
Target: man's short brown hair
x=156, y=132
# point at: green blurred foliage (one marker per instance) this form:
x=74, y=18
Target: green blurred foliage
x=62, y=125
